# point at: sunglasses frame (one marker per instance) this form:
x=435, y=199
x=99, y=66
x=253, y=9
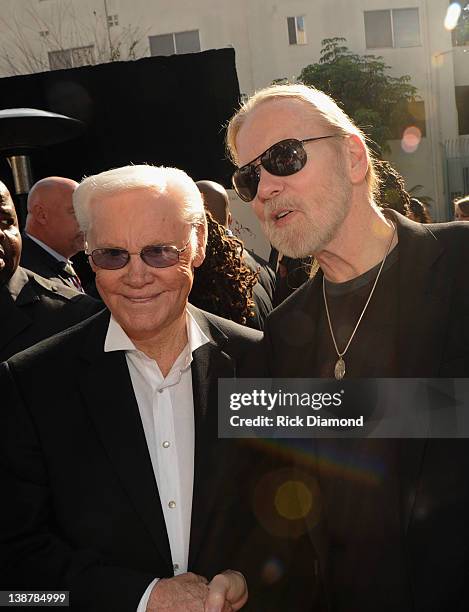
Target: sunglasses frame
x=141, y=253
x=262, y=160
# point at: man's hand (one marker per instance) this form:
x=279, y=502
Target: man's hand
x=227, y=591
x=184, y=593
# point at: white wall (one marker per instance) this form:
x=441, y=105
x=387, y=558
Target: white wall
x=257, y=29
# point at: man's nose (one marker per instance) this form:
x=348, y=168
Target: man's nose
x=269, y=185
x=138, y=272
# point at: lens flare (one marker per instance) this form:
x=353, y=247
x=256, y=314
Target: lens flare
x=293, y=500
x=411, y=139
x=272, y=571
x=452, y=15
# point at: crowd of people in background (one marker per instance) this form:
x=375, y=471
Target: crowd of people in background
x=120, y=490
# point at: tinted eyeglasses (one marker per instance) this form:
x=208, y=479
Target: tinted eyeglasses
x=156, y=256
x=284, y=158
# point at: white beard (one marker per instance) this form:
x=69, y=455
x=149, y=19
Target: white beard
x=316, y=225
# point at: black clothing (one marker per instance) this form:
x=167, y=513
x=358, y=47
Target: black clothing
x=33, y=308
x=83, y=511
x=39, y=261
x=393, y=532
x=372, y=352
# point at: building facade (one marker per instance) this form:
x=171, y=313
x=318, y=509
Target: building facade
x=274, y=39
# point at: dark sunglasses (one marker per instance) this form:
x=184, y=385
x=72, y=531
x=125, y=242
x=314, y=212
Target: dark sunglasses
x=158, y=256
x=284, y=158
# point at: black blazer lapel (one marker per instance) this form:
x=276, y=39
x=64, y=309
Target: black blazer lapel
x=209, y=364
x=109, y=398
x=15, y=294
x=424, y=292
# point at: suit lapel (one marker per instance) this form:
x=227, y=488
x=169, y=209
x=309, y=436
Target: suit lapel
x=12, y=296
x=209, y=364
x=423, y=300
x=424, y=293
x=109, y=398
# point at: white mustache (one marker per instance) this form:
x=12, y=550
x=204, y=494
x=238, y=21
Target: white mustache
x=276, y=204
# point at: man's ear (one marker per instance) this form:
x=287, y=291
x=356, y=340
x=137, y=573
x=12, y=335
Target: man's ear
x=230, y=219
x=201, y=246
x=358, y=159
x=40, y=213
x=90, y=261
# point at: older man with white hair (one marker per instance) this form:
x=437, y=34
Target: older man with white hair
x=118, y=488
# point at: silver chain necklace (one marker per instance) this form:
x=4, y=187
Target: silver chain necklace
x=339, y=369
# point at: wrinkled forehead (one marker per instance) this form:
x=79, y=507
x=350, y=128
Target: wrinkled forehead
x=275, y=120
x=137, y=216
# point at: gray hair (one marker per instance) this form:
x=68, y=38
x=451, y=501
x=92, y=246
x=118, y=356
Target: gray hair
x=320, y=105
x=127, y=178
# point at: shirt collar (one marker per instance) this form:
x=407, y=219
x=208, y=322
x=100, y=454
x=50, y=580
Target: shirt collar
x=47, y=248
x=118, y=340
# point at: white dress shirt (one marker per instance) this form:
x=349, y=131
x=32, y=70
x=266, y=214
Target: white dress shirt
x=166, y=409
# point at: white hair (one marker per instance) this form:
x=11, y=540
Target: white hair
x=155, y=178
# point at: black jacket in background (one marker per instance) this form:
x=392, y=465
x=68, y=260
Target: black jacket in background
x=33, y=308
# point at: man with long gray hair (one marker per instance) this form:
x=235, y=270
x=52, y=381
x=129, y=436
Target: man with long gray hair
x=388, y=301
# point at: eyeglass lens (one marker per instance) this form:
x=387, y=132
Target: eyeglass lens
x=154, y=256
x=281, y=159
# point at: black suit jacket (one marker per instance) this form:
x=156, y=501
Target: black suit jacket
x=432, y=482
x=84, y=511
x=38, y=260
x=33, y=308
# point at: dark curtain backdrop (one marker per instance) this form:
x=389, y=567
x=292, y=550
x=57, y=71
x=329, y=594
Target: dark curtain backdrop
x=163, y=110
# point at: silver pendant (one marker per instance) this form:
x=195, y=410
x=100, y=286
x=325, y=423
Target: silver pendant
x=339, y=370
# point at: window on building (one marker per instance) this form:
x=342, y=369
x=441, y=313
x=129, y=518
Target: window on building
x=296, y=30
x=460, y=34
x=392, y=28
x=175, y=43
x=71, y=58
x=462, y=104
x=112, y=20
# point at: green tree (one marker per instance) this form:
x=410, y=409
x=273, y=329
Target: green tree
x=377, y=102
x=460, y=34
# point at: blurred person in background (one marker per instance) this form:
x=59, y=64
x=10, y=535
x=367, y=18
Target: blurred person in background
x=31, y=307
x=216, y=201
x=51, y=235
x=461, y=209
x=224, y=285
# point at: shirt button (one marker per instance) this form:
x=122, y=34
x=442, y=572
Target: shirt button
x=160, y=390
x=172, y=504
x=176, y=567
x=166, y=444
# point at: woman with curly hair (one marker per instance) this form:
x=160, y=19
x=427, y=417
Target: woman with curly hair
x=223, y=285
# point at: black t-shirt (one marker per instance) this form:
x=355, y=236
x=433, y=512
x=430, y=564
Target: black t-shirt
x=372, y=352
x=361, y=491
